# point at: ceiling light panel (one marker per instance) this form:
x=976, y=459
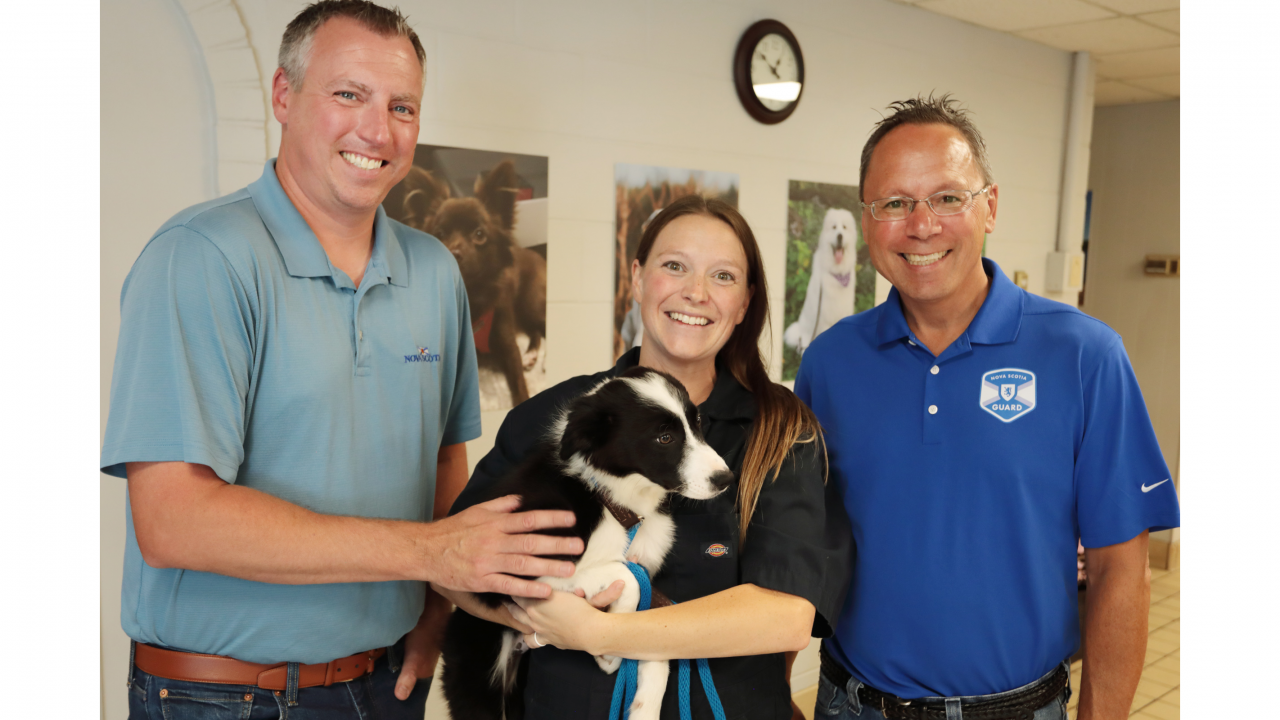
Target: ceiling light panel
x=1103, y=36
x=1134, y=7
x=1010, y=15
x=1167, y=84
x=1169, y=19
x=1118, y=93
x=1144, y=63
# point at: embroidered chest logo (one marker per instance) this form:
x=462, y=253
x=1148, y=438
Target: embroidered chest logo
x=715, y=550
x=423, y=355
x=1008, y=393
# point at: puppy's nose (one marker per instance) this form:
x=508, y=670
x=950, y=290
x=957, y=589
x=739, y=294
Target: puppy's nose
x=721, y=479
x=839, y=239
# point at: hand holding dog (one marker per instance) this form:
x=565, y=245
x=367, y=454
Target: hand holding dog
x=484, y=547
x=558, y=619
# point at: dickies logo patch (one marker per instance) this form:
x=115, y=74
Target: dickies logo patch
x=715, y=550
x=1008, y=393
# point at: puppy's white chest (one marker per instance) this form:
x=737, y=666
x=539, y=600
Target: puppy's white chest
x=652, y=542
x=609, y=544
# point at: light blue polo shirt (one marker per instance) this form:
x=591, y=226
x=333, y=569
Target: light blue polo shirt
x=242, y=348
x=968, y=478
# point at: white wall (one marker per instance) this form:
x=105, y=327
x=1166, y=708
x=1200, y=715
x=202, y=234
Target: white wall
x=590, y=84
x=158, y=156
x=1134, y=175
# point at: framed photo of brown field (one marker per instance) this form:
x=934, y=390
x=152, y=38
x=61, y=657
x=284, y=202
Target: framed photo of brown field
x=642, y=191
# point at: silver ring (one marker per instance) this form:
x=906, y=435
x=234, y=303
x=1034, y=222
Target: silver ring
x=540, y=643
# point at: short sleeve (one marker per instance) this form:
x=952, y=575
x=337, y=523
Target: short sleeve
x=1122, y=483
x=463, y=422
x=799, y=541
x=182, y=371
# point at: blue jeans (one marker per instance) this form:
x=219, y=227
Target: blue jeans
x=843, y=703
x=371, y=697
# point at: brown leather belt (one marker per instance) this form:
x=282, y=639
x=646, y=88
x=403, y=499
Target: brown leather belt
x=221, y=670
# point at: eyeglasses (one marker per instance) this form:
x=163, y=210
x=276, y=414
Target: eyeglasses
x=946, y=202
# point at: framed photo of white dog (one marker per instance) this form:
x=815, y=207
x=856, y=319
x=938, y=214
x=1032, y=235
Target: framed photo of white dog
x=490, y=210
x=829, y=273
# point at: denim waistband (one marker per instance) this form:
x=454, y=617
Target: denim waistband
x=836, y=673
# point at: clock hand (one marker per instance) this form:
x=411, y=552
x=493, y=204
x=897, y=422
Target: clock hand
x=772, y=68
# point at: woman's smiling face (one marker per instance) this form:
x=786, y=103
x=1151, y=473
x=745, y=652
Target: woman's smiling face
x=692, y=292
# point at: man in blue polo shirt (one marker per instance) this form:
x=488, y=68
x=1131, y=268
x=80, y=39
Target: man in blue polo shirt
x=976, y=432
x=294, y=383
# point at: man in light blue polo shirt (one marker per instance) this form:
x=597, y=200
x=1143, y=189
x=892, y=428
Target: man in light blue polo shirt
x=977, y=431
x=294, y=385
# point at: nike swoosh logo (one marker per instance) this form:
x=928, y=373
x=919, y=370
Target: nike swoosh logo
x=1147, y=489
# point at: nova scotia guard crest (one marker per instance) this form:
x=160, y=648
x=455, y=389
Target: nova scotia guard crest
x=1008, y=393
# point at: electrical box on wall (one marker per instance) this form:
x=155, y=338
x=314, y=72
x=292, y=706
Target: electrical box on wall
x=1064, y=272
x=1166, y=265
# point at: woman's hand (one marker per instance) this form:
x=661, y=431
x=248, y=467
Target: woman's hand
x=565, y=620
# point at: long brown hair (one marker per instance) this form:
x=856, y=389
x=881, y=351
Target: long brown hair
x=781, y=419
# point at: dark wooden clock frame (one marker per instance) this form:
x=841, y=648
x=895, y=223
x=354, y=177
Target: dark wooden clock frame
x=742, y=71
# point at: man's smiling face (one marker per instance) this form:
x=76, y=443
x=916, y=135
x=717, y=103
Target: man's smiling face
x=928, y=258
x=351, y=129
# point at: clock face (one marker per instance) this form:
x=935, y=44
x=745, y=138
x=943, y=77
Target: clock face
x=775, y=75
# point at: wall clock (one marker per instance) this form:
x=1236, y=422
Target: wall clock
x=768, y=71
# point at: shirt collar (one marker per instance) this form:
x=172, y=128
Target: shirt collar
x=303, y=255
x=997, y=321
x=1000, y=317
x=728, y=399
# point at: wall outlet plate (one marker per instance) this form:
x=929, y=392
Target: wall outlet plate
x=1064, y=272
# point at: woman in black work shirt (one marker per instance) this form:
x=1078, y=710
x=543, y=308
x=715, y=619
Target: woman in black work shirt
x=746, y=593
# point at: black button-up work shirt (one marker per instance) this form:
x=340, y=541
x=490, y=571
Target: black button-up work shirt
x=799, y=542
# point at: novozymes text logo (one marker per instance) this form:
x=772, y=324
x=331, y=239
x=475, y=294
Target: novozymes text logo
x=423, y=355
x=1008, y=393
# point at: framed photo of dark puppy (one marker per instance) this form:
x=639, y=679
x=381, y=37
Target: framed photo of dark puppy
x=829, y=272
x=490, y=210
x=641, y=191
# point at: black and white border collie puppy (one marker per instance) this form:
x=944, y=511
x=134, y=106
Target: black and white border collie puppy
x=612, y=457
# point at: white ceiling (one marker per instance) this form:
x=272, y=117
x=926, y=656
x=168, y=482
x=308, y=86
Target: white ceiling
x=1134, y=42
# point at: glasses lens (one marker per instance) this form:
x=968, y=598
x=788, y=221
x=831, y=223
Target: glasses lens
x=950, y=202
x=890, y=209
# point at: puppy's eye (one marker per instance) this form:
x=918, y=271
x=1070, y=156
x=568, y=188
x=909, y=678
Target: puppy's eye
x=479, y=237
x=665, y=438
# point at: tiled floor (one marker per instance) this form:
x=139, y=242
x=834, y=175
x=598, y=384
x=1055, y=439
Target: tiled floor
x=1157, y=696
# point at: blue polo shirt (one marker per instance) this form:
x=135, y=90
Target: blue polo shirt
x=968, y=478
x=242, y=348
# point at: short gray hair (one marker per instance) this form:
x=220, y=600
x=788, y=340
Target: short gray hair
x=295, y=46
x=920, y=110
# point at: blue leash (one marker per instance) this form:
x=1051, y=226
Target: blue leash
x=624, y=688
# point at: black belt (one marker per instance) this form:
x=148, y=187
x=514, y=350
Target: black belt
x=1019, y=705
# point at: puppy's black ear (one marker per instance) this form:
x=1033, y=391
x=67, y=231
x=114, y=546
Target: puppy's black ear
x=497, y=191
x=589, y=425
x=421, y=195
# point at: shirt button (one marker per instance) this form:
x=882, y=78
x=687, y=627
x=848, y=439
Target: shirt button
x=911, y=342
x=933, y=409
x=933, y=370
x=361, y=334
